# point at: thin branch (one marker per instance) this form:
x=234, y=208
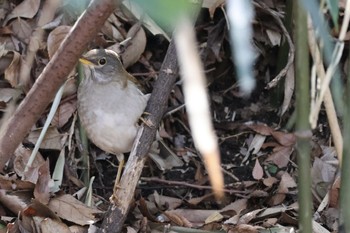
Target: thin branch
x=116, y=214
x=53, y=76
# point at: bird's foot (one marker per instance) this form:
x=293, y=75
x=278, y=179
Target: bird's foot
x=113, y=199
x=145, y=119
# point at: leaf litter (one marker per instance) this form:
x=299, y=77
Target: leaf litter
x=257, y=153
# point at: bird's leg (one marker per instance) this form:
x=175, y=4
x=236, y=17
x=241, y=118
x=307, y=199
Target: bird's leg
x=117, y=178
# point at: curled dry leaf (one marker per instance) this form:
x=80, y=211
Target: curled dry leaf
x=26, y=9
x=133, y=47
x=55, y=39
x=12, y=71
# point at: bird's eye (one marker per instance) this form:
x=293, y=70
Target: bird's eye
x=102, y=61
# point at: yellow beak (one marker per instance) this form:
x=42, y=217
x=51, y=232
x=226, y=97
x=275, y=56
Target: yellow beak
x=85, y=61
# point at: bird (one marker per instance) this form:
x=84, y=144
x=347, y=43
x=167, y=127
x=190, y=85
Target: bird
x=110, y=103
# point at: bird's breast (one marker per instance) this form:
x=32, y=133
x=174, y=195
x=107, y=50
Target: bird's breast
x=110, y=115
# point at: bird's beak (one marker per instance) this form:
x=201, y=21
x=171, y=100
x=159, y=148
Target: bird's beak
x=85, y=61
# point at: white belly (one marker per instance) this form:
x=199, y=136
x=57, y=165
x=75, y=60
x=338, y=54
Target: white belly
x=111, y=122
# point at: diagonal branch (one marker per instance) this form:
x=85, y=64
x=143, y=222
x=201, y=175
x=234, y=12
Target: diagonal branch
x=157, y=104
x=53, y=76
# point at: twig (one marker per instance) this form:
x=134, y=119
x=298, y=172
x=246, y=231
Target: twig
x=328, y=100
x=53, y=76
x=116, y=214
x=185, y=184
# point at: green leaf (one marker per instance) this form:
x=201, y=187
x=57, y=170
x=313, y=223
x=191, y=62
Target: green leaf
x=334, y=10
x=167, y=13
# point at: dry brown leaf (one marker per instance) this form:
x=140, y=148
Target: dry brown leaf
x=11, y=184
x=12, y=71
x=285, y=139
x=322, y=172
x=246, y=218
x=215, y=217
x=80, y=229
x=236, y=206
x=69, y=208
x=42, y=187
x=197, y=200
x=270, y=222
x=64, y=113
x=258, y=171
x=169, y=202
x=53, y=139
x=8, y=94
x=21, y=29
x=194, y=216
x=135, y=46
x=112, y=27
x=286, y=182
x=5, y=56
x=270, y=181
x=274, y=37
x=289, y=86
x=55, y=39
x=22, y=155
x=260, y=128
x=245, y=228
x=48, y=225
x=26, y=9
x=280, y=156
x=277, y=199
x=178, y=219
x=15, y=200
x=334, y=193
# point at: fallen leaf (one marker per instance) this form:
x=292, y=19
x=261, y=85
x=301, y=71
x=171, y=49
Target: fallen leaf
x=280, y=156
x=69, y=208
x=12, y=71
x=42, y=187
x=64, y=113
x=55, y=38
x=258, y=172
x=21, y=29
x=53, y=139
x=215, y=217
x=133, y=48
x=26, y=9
